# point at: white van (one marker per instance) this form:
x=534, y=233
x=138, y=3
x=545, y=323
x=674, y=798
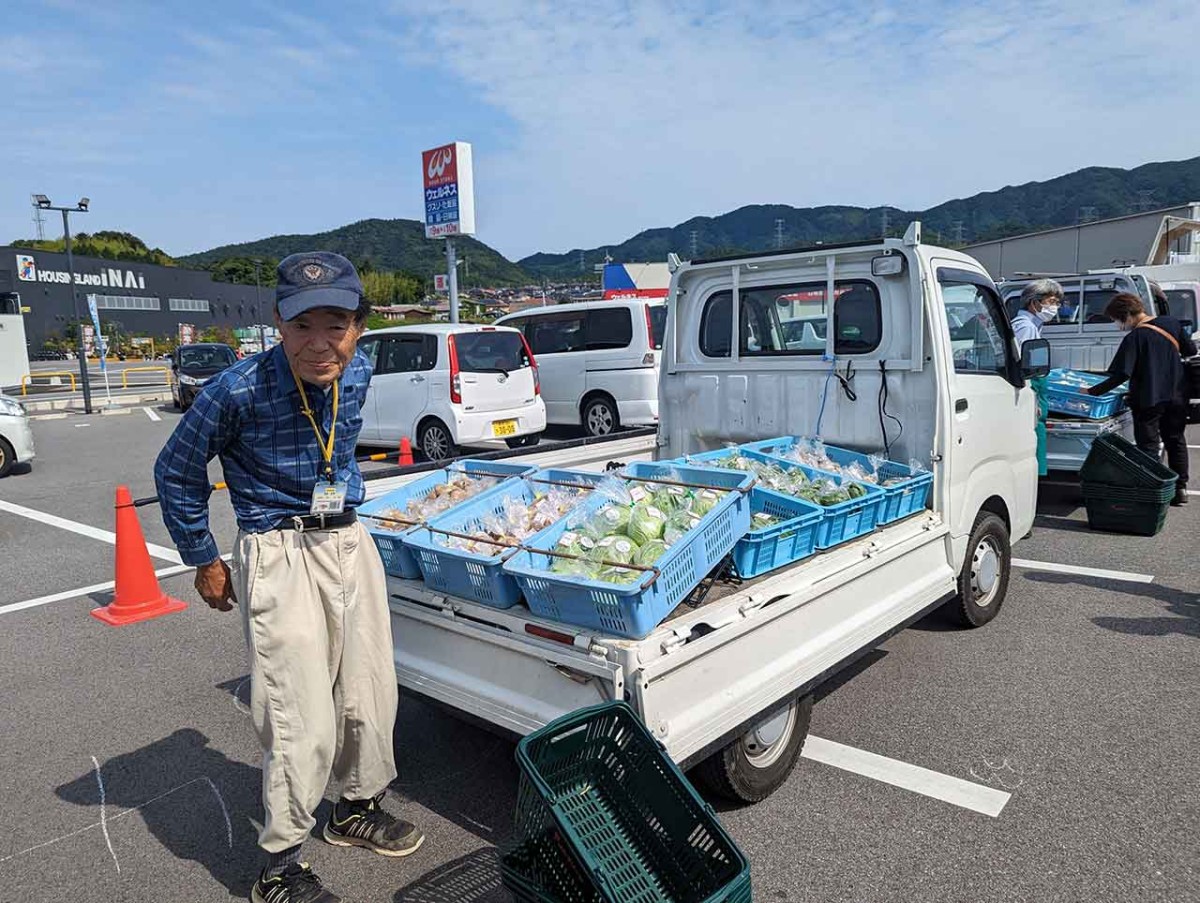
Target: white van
x=599, y=361
x=446, y=386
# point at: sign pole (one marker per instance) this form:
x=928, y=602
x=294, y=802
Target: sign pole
x=452, y=277
x=83, y=359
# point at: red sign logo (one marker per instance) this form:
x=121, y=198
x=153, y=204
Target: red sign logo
x=440, y=166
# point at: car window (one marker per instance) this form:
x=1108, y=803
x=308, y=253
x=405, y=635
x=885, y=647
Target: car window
x=793, y=319
x=407, y=354
x=206, y=358
x=976, y=337
x=658, y=325
x=370, y=348
x=1096, y=295
x=556, y=333
x=1182, y=302
x=609, y=328
x=490, y=352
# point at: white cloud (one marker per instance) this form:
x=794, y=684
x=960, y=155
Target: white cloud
x=634, y=115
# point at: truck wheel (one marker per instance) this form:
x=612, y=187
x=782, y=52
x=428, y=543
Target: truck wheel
x=983, y=580
x=756, y=764
x=8, y=457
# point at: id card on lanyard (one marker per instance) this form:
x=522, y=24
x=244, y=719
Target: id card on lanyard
x=329, y=494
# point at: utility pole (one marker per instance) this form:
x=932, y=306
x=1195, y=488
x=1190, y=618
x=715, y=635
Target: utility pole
x=43, y=203
x=452, y=276
x=778, y=234
x=262, y=333
x=39, y=224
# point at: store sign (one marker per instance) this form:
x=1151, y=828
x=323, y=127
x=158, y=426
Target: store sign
x=441, y=283
x=108, y=277
x=187, y=333
x=449, y=190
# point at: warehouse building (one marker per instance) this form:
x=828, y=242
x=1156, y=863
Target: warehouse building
x=145, y=299
x=1170, y=235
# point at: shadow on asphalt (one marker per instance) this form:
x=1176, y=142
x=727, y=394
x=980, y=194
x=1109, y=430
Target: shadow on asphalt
x=474, y=878
x=1183, y=606
x=184, y=790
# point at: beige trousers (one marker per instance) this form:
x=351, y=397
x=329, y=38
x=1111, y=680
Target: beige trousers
x=323, y=690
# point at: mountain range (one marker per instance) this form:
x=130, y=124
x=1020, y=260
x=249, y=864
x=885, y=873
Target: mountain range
x=1092, y=193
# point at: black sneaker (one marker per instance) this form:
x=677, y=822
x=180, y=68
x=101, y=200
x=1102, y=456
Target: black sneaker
x=1181, y=496
x=365, y=824
x=297, y=884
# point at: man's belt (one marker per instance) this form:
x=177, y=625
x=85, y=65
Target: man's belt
x=306, y=522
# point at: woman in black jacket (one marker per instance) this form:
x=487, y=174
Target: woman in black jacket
x=1150, y=357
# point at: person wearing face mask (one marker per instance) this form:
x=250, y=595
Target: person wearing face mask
x=1040, y=302
x=306, y=574
x=1150, y=357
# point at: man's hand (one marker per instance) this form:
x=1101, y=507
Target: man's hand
x=214, y=583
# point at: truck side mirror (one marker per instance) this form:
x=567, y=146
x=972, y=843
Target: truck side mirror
x=1035, y=358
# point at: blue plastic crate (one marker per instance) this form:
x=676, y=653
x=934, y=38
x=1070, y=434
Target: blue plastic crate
x=792, y=540
x=633, y=610
x=398, y=561
x=842, y=522
x=472, y=576
x=900, y=499
x=1065, y=396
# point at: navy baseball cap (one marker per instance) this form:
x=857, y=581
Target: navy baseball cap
x=316, y=279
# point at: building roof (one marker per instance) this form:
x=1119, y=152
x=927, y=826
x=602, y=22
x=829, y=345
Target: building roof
x=1165, y=211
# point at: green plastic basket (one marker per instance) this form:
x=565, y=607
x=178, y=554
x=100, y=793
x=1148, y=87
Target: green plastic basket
x=1119, y=509
x=1115, y=461
x=604, y=815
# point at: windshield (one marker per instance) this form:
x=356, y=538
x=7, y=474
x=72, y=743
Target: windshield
x=1183, y=303
x=658, y=325
x=490, y=352
x=208, y=358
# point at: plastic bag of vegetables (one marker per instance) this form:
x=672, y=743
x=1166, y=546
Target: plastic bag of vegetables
x=646, y=523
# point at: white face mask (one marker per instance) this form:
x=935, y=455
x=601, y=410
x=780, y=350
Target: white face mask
x=1046, y=314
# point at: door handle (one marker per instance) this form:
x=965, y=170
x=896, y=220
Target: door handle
x=960, y=405
x=418, y=378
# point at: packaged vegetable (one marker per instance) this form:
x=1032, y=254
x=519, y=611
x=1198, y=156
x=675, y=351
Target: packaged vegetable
x=611, y=520
x=649, y=553
x=646, y=522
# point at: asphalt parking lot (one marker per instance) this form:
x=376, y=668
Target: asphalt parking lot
x=132, y=772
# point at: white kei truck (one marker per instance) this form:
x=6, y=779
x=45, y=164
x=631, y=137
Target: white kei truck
x=727, y=685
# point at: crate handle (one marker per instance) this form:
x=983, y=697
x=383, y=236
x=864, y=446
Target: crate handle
x=391, y=520
x=587, y=486
x=653, y=571
x=742, y=489
x=516, y=547
x=478, y=472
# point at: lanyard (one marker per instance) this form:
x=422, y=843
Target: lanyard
x=325, y=445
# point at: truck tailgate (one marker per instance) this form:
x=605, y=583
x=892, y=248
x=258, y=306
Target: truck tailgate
x=786, y=633
x=485, y=663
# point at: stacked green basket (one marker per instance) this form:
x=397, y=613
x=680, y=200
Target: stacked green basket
x=1125, y=489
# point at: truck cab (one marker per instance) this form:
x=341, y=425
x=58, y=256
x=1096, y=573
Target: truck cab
x=918, y=363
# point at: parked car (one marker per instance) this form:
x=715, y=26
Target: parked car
x=16, y=438
x=599, y=361
x=194, y=365
x=451, y=385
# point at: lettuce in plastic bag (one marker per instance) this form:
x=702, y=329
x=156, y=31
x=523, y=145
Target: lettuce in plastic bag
x=611, y=520
x=704, y=501
x=679, y=524
x=649, y=553
x=646, y=522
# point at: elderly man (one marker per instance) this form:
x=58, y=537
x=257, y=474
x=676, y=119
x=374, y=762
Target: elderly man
x=1040, y=301
x=306, y=574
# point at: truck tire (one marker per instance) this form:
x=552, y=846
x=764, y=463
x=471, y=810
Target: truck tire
x=756, y=764
x=983, y=580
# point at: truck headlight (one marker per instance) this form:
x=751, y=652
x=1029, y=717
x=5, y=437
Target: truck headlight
x=11, y=406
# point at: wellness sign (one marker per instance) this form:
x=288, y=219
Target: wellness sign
x=449, y=190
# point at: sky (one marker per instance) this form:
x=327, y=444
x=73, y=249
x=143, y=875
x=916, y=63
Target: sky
x=201, y=124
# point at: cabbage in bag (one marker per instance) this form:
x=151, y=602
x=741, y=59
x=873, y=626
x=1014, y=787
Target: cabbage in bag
x=611, y=520
x=646, y=523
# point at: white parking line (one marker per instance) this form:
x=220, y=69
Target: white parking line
x=1125, y=576
x=944, y=787
x=152, y=415
x=83, y=529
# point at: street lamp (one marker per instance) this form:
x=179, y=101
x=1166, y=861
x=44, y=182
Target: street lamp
x=43, y=203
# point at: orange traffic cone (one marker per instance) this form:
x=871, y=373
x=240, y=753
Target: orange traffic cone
x=138, y=596
x=405, y=451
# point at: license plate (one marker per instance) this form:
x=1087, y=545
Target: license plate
x=504, y=427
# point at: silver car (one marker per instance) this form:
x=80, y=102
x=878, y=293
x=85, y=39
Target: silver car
x=16, y=438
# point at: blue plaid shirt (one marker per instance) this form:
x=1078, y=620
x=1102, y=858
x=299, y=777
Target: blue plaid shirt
x=250, y=416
